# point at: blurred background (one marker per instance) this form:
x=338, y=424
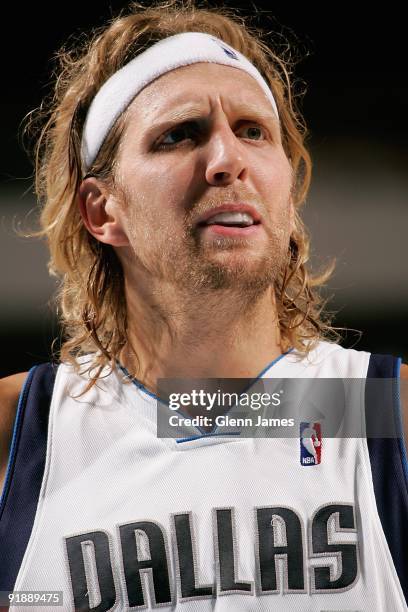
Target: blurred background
x=355, y=106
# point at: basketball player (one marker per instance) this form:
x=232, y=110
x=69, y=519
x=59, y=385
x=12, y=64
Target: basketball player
x=171, y=170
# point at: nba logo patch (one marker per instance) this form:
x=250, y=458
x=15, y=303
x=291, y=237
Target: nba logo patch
x=310, y=443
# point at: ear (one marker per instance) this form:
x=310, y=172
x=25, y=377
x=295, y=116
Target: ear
x=101, y=213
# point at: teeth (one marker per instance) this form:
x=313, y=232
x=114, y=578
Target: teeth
x=231, y=217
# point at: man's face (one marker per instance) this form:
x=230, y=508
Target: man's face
x=197, y=138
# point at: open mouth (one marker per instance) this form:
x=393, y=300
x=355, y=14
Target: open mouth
x=238, y=220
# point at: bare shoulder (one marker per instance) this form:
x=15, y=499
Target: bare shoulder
x=404, y=370
x=404, y=400
x=10, y=388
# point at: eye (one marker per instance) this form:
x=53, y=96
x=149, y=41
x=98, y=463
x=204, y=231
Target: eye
x=255, y=131
x=191, y=131
x=176, y=135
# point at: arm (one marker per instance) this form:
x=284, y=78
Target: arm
x=404, y=401
x=10, y=388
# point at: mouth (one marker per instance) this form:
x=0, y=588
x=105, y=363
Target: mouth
x=231, y=220
x=230, y=230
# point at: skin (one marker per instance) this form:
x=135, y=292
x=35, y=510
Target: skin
x=199, y=305
x=10, y=388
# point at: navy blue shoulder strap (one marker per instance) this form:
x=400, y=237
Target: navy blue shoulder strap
x=25, y=470
x=26, y=464
x=388, y=460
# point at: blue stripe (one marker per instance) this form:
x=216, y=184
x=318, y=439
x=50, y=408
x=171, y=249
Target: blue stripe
x=16, y=430
x=400, y=426
x=202, y=431
x=272, y=363
x=209, y=435
x=137, y=383
x=388, y=462
x=25, y=471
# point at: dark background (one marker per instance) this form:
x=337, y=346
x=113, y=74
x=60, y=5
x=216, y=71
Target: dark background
x=356, y=109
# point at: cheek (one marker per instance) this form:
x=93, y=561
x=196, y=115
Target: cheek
x=164, y=182
x=273, y=180
x=150, y=215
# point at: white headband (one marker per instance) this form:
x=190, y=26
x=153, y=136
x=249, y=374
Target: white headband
x=118, y=91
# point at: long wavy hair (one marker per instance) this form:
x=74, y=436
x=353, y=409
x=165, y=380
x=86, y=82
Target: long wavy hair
x=90, y=300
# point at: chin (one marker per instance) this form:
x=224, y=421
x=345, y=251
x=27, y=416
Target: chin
x=240, y=275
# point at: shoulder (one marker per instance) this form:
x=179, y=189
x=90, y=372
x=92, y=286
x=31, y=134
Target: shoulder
x=10, y=389
x=404, y=400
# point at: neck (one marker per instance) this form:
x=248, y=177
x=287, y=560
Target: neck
x=216, y=335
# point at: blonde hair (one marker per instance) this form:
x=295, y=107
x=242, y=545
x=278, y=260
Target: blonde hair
x=90, y=299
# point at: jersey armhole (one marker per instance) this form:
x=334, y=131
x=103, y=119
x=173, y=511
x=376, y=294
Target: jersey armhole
x=388, y=459
x=25, y=470
x=402, y=443
x=15, y=438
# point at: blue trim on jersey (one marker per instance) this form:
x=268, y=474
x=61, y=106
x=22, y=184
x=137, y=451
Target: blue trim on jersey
x=25, y=471
x=204, y=433
x=388, y=462
x=208, y=435
x=137, y=383
x=141, y=386
x=13, y=446
x=272, y=363
x=400, y=426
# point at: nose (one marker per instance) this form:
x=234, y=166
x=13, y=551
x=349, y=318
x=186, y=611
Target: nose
x=225, y=162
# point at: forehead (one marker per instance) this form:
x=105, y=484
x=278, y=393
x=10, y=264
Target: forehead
x=200, y=84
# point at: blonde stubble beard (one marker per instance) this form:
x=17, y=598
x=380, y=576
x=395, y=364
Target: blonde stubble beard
x=187, y=263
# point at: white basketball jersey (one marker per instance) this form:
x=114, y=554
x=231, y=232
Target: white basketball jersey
x=126, y=520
